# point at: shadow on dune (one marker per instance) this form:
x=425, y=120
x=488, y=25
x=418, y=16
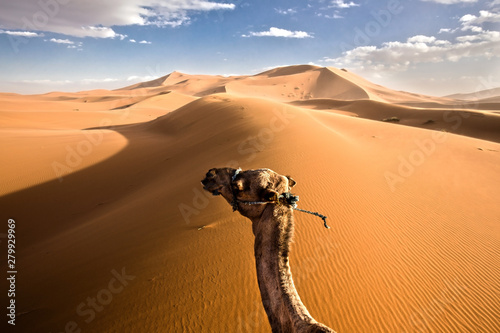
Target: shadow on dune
x=116, y=212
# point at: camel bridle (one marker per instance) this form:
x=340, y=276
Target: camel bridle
x=287, y=199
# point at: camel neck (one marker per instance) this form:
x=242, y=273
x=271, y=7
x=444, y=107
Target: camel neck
x=273, y=233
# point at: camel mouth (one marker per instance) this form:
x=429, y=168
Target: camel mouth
x=206, y=187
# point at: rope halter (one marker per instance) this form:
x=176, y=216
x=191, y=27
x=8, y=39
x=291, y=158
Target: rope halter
x=286, y=199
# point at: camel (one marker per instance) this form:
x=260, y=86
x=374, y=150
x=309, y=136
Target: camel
x=258, y=195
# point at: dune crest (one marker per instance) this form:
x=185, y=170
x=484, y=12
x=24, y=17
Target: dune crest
x=286, y=84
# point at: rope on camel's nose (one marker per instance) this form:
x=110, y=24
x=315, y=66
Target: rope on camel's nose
x=288, y=199
x=292, y=200
x=285, y=198
x=323, y=217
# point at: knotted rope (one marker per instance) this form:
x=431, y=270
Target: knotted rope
x=291, y=200
x=323, y=217
x=286, y=198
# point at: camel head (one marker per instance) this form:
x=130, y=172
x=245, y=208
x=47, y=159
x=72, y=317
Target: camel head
x=237, y=187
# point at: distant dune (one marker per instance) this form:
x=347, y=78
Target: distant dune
x=115, y=233
x=478, y=95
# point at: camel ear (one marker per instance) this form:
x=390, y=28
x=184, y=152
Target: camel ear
x=239, y=185
x=291, y=182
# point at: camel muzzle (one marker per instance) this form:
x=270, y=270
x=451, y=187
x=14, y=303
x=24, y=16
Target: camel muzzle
x=206, y=186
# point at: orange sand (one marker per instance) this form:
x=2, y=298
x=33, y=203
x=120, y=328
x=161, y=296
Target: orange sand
x=114, y=232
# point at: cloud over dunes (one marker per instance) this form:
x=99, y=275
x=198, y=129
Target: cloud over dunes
x=419, y=49
x=61, y=41
x=469, y=21
x=396, y=55
x=96, y=18
x=342, y=4
x=27, y=34
x=277, y=32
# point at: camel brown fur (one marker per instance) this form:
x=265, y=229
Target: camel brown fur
x=272, y=225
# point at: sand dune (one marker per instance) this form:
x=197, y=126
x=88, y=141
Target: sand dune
x=287, y=84
x=478, y=95
x=470, y=122
x=116, y=235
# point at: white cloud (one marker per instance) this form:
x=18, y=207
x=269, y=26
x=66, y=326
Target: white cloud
x=144, y=42
x=288, y=11
x=489, y=36
x=467, y=18
x=101, y=32
x=448, y=30
x=421, y=39
x=399, y=56
x=61, y=41
x=94, y=18
x=450, y=2
x=136, y=78
x=132, y=40
x=473, y=23
x=484, y=17
x=277, y=32
x=47, y=82
x=342, y=4
x=70, y=44
x=336, y=15
x=27, y=34
x=105, y=80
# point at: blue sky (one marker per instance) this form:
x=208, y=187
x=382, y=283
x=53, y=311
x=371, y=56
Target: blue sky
x=435, y=47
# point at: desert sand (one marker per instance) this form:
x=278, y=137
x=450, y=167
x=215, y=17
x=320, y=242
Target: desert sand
x=115, y=234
